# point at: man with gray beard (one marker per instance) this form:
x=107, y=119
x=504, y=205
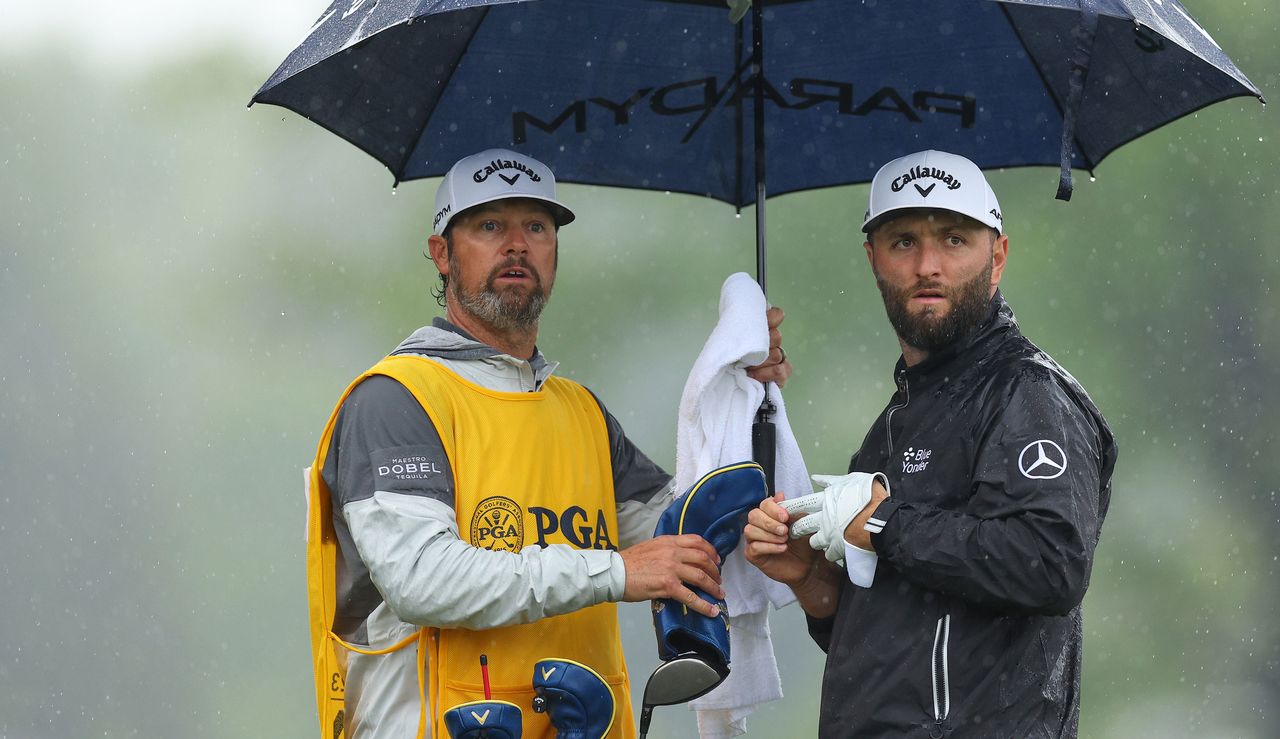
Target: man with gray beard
x=470, y=507
x=968, y=520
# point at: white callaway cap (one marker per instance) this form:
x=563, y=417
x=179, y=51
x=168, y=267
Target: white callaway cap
x=932, y=179
x=496, y=174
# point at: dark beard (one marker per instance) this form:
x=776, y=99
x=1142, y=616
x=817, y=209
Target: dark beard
x=929, y=331
x=502, y=310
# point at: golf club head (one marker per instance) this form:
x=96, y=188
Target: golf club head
x=682, y=679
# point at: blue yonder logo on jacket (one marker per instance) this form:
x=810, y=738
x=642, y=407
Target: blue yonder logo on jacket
x=915, y=460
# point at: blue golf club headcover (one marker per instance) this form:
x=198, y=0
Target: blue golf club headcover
x=576, y=699
x=715, y=508
x=484, y=720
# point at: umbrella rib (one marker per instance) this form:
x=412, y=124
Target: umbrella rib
x=426, y=118
x=1089, y=164
x=730, y=84
x=1147, y=131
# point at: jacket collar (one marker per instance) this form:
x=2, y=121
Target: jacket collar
x=447, y=341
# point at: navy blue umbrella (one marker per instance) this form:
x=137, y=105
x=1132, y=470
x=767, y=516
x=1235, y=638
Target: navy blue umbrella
x=662, y=94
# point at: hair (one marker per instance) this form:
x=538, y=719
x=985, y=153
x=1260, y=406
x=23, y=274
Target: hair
x=439, y=292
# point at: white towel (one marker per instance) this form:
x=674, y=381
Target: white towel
x=716, y=412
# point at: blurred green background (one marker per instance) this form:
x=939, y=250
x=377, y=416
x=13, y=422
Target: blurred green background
x=186, y=286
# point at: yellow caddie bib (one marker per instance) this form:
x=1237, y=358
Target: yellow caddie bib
x=530, y=469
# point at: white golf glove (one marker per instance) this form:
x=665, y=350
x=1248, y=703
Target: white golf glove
x=829, y=512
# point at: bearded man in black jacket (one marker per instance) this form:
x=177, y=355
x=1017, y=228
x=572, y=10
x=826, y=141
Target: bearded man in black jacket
x=969, y=519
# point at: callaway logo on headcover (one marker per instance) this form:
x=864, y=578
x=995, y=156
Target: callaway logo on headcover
x=497, y=165
x=916, y=173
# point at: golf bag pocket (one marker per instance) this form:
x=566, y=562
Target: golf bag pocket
x=588, y=637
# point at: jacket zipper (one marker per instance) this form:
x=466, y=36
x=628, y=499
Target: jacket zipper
x=941, y=675
x=888, y=419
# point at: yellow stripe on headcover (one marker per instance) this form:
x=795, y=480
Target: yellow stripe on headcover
x=483, y=702
x=698, y=485
x=694, y=491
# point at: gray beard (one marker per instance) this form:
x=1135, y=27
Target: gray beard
x=502, y=311
x=928, y=331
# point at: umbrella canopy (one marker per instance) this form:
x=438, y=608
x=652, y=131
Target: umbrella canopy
x=672, y=95
x=658, y=94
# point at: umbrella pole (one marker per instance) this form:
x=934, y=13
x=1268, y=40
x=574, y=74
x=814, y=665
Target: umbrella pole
x=757, y=69
x=763, y=431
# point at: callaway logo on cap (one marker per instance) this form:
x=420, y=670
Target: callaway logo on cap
x=932, y=179
x=495, y=174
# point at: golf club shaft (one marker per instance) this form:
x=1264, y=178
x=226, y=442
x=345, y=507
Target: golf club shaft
x=646, y=715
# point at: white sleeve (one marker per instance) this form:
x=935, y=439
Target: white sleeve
x=860, y=564
x=428, y=576
x=637, y=519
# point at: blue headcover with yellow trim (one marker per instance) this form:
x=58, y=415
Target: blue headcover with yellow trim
x=484, y=720
x=576, y=699
x=715, y=508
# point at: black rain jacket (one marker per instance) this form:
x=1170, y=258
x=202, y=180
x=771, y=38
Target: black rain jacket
x=999, y=467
